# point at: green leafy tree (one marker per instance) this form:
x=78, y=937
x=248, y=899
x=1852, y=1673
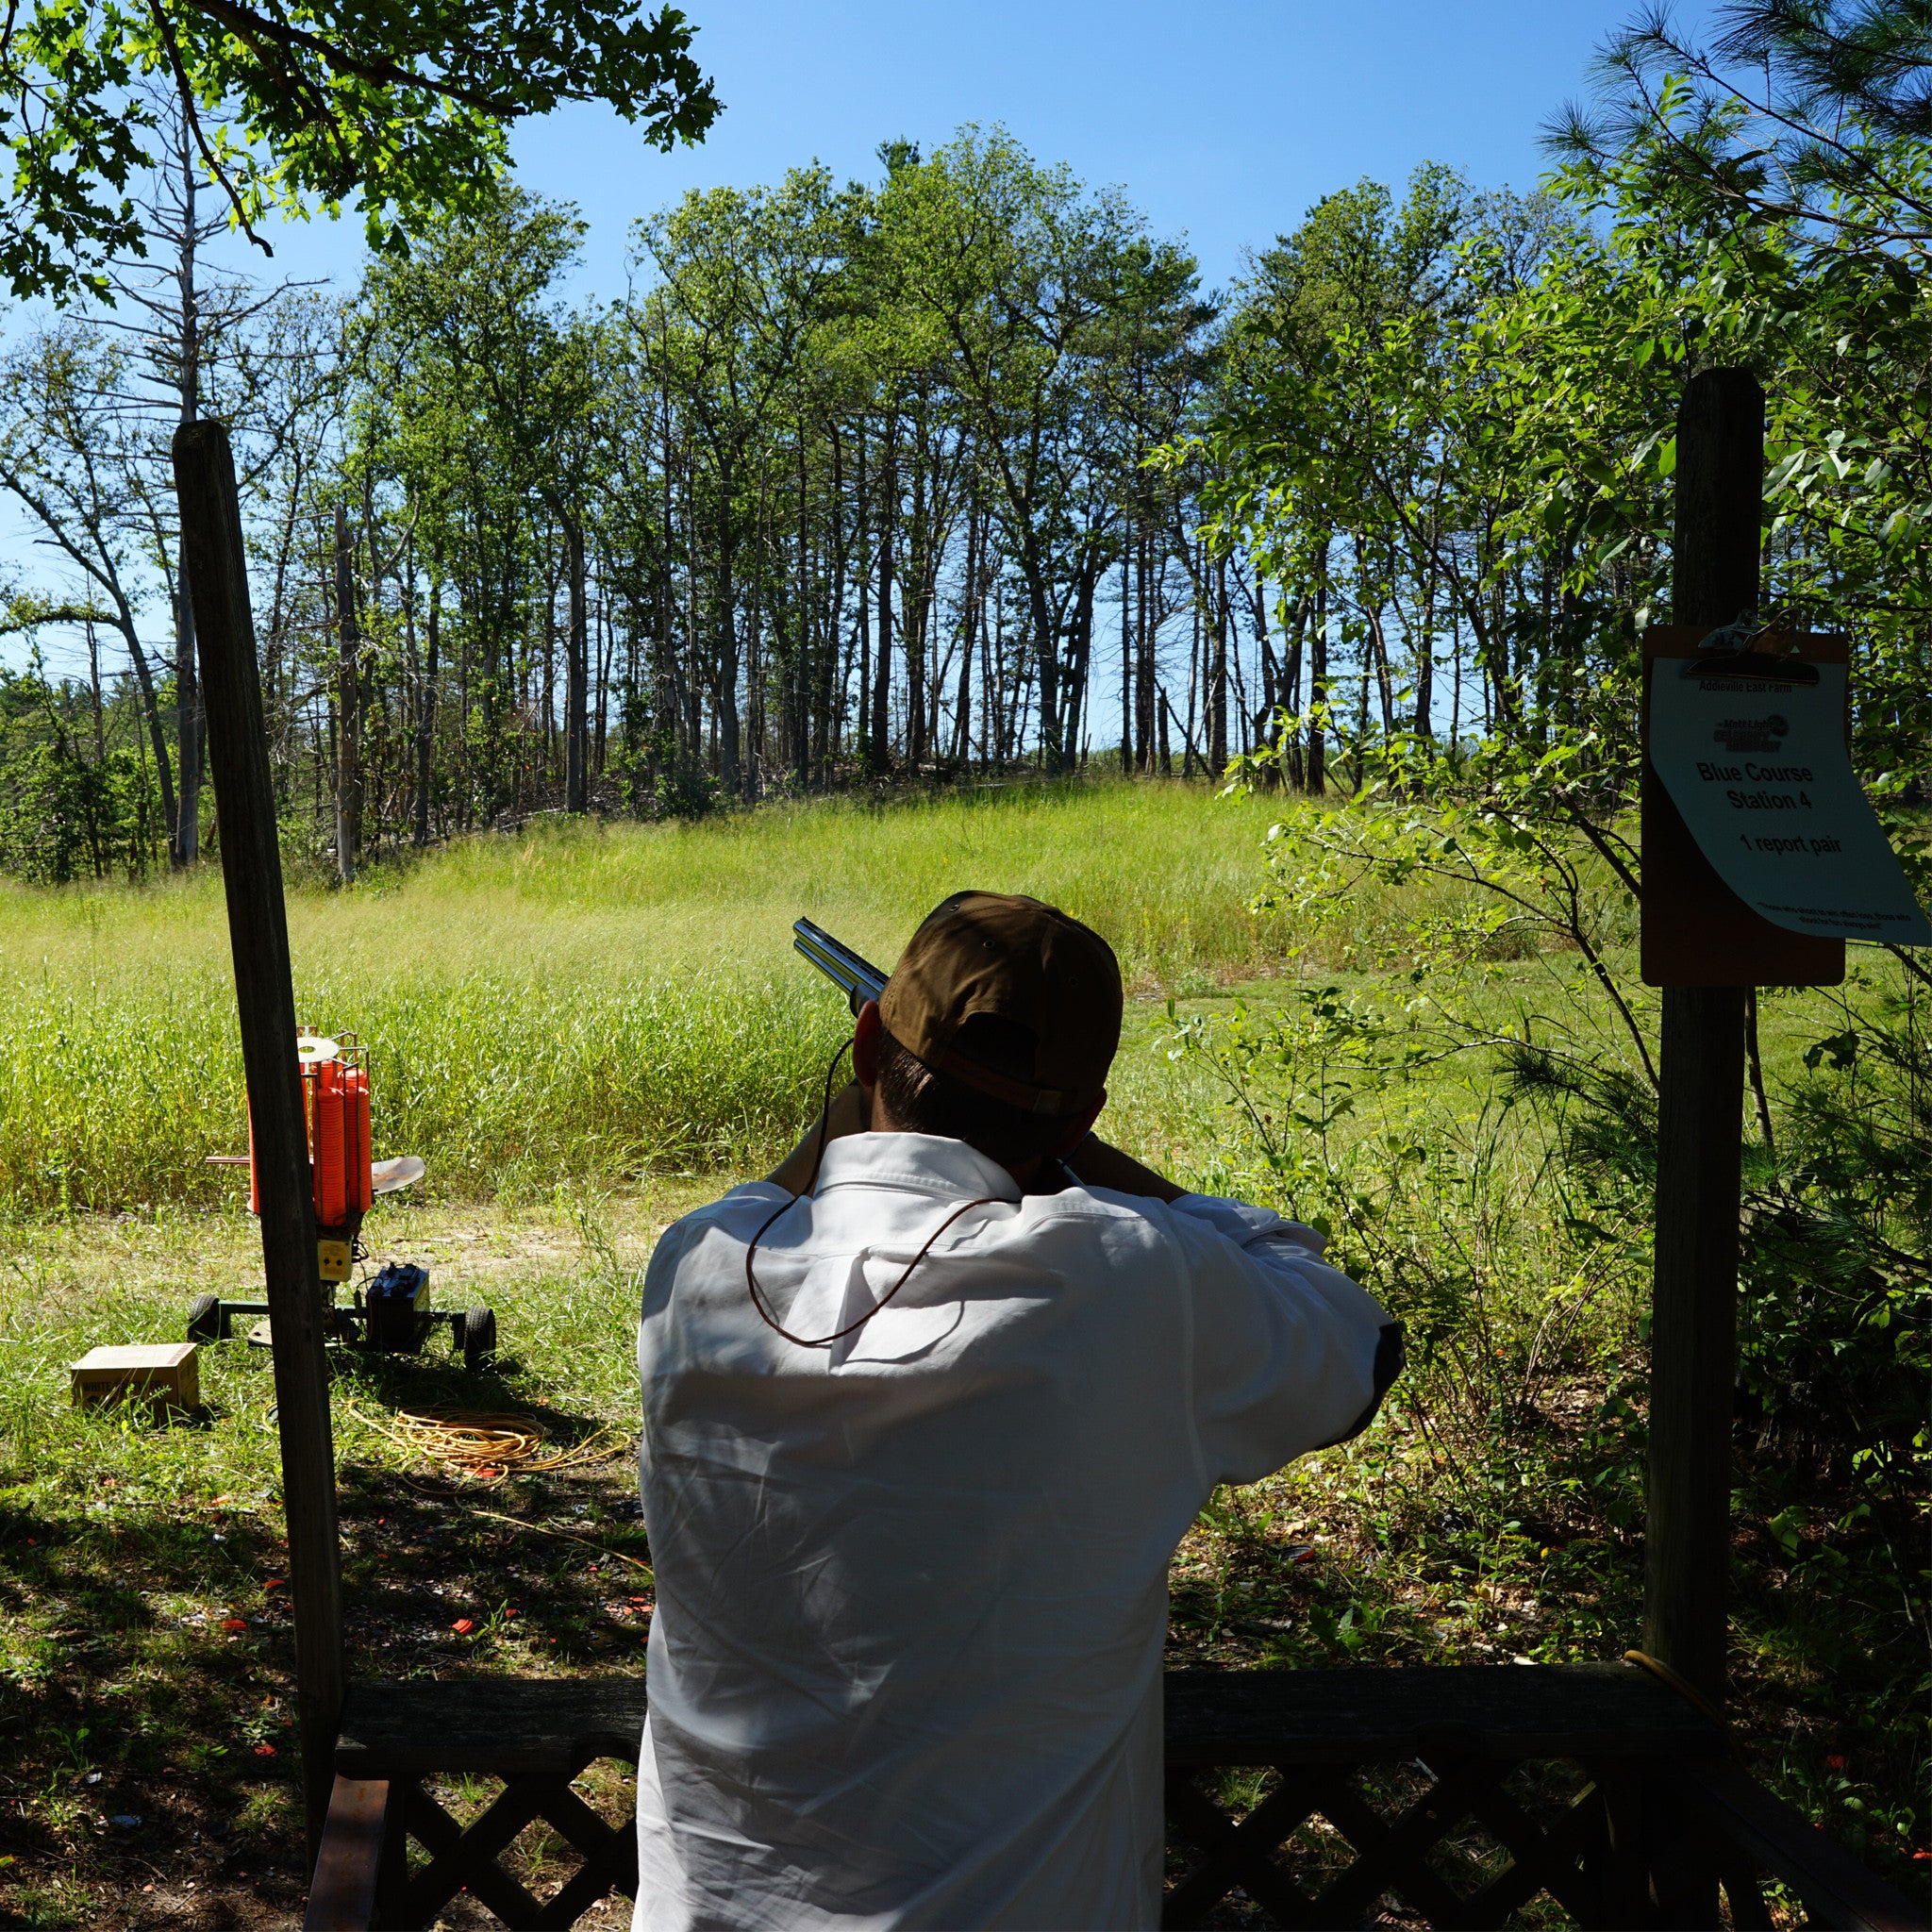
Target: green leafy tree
x=1791, y=156
x=1014, y=276
x=475, y=384
x=745, y=282
x=73, y=460
x=297, y=103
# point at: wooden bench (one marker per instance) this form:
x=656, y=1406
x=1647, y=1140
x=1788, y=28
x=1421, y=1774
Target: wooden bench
x=1387, y=1776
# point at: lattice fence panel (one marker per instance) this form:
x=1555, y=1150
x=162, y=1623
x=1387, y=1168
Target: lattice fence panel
x=584, y=1856
x=1470, y=1844
x=1467, y=1843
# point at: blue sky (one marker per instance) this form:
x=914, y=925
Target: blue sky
x=1223, y=119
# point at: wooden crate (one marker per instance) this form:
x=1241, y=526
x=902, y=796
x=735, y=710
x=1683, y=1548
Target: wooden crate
x=164, y=1376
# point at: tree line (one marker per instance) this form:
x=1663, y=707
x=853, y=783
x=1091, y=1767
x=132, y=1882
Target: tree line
x=836, y=493
x=960, y=470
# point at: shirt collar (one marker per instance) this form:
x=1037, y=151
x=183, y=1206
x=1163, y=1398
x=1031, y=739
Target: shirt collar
x=923, y=1161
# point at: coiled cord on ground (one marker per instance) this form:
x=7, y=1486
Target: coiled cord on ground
x=485, y=1447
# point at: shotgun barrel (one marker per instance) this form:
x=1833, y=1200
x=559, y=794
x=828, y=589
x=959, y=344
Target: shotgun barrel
x=859, y=979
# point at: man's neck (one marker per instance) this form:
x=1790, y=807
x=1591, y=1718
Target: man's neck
x=1039, y=1175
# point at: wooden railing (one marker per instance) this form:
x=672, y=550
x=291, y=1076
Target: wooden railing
x=1295, y=1798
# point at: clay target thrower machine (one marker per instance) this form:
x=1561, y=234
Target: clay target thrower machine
x=392, y=1315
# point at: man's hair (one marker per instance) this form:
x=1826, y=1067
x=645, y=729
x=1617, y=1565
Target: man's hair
x=923, y=1101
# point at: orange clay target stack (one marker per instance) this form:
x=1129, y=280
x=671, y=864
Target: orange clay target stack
x=335, y=1092
x=335, y=1102
x=390, y=1313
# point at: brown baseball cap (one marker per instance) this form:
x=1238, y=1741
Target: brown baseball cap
x=1030, y=964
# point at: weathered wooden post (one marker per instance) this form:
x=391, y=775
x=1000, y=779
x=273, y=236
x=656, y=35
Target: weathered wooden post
x=1693, y=1326
x=1705, y=948
x=264, y=991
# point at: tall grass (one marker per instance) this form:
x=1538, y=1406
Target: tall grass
x=111, y=1103
x=1163, y=871
x=579, y=1002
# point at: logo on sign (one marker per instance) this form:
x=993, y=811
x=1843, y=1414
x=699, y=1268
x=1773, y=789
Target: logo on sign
x=1751, y=734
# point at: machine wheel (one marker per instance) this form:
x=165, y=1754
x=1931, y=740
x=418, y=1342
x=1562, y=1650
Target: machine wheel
x=479, y=1339
x=205, y=1318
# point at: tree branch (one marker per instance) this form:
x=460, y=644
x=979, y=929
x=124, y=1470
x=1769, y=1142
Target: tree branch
x=247, y=22
x=194, y=120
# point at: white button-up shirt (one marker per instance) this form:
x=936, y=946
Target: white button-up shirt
x=904, y=1668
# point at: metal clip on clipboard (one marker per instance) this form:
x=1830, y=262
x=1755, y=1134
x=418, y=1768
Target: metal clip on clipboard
x=1728, y=653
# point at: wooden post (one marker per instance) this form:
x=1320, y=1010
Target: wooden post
x=264, y=993
x=1700, y=1125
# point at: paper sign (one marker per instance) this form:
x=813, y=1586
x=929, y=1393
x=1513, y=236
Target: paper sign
x=1759, y=770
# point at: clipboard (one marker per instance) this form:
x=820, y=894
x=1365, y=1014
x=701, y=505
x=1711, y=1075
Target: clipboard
x=1695, y=931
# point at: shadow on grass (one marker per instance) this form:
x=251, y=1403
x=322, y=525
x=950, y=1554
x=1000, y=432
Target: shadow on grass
x=145, y=1717
x=146, y=1652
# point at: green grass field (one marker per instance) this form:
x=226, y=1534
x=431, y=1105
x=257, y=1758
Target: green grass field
x=586, y=1031
x=584, y=1004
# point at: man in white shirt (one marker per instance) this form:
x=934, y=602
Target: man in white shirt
x=925, y=1414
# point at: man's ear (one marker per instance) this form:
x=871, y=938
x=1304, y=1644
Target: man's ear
x=1077, y=1131
x=865, y=1046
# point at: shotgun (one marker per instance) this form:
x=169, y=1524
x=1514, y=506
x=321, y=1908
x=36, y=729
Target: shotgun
x=859, y=979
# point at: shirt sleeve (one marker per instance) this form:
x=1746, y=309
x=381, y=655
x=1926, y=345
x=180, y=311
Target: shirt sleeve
x=1288, y=1353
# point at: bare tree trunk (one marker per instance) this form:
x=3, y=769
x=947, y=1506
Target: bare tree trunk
x=348, y=709
x=881, y=734
x=1194, y=693
x=1079, y=662
x=1143, y=660
x=1216, y=677
x=1375, y=655
x=864, y=563
x=754, y=751
x=830, y=673
x=150, y=711
x=992, y=693
x=1318, y=679
x=1269, y=696
x=1361, y=725
x=725, y=711
x=1004, y=704
x=916, y=666
x=801, y=684
x=1295, y=768
x=426, y=711
x=1424, y=726
x=93, y=685
x=189, y=727
x=1239, y=709
x=1047, y=657
x=546, y=711
x=187, y=730
x=576, y=672
x=962, y=736
x=600, y=696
